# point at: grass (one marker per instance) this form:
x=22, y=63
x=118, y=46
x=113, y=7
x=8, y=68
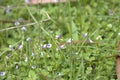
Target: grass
x=88, y=33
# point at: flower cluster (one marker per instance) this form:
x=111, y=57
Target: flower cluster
x=16, y=23
x=46, y=46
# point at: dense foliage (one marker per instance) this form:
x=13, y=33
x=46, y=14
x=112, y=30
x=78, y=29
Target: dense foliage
x=64, y=41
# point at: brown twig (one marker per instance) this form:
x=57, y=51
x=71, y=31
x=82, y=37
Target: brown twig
x=118, y=67
x=6, y=21
x=118, y=63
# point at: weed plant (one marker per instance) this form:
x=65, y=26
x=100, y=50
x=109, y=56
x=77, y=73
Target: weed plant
x=63, y=41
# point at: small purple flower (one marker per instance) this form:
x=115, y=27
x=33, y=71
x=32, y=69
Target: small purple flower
x=8, y=10
x=84, y=35
x=20, y=47
x=27, y=1
x=43, y=46
x=28, y=39
x=16, y=23
x=33, y=67
x=23, y=29
x=48, y=45
x=69, y=41
x=61, y=47
x=58, y=36
x=2, y=73
x=110, y=12
x=90, y=40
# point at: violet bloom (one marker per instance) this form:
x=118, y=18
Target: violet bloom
x=43, y=46
x=46, y=46
x=58, y=36
x=33, y=67
x=110, y=12
x=2, y=73
x=84, y=35
x=20, y=47
x=16, y=23
x=27, y=1
x=90, y=40
x=8, y=10
x=61, y=47
x=28, y=39
x=23, y=29
x=69, y=41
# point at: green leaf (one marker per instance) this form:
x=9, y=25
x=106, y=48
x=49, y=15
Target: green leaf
x=32, y=75
x=74, y=31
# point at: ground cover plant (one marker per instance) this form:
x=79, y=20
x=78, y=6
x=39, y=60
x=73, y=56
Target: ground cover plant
x=63, y=41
